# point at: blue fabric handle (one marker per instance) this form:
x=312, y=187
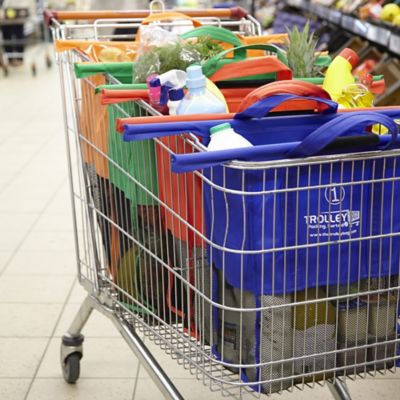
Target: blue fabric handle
x=342, y=125
x=279, y=127
x=262, y=107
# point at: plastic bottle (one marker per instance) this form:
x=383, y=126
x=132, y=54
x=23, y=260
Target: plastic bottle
x=154, y=87
x=224, y=137
x=338, y=74
x=175, y=98
x=198, y=100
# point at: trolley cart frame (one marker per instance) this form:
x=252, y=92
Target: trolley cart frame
x=104, y=294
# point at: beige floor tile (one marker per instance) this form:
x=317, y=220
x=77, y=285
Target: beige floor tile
x=48, y=241
x=28, y=320
x=11, y=203
x=85, y=389
x=42, y=263
x=78, y=294
x=20, y=357
x=34, y=289
x=13, y=389
x=102, y=358
x=16, y=222
x=4, y=257
x=97, y=326
x=52, y=223
x=382, y=389
x=9, y=241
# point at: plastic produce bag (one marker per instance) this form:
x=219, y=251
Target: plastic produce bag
x=160, y=51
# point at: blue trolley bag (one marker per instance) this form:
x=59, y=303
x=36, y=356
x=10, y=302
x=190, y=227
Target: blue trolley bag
x=299, y=225
x=279, y=229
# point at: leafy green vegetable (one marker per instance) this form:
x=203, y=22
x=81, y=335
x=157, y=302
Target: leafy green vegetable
x=178, y=55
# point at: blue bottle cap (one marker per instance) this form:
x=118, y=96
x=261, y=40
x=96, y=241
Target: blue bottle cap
x=176, y=94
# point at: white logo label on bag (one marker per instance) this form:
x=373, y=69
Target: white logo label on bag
x=335, y=195
x=334, y=224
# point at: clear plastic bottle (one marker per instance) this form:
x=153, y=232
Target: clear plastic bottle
x=223, y=137
x=199, y=100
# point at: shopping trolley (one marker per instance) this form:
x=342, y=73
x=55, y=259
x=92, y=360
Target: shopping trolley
x=181, y=294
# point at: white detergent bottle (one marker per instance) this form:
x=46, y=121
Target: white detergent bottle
x=223, y=137
x=198, y=99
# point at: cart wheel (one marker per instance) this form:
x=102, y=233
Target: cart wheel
x=33, y=69
x=71, y=367
x=49, y=63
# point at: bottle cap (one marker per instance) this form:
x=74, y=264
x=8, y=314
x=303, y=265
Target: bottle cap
x=220, y=127
x=350, y=55
x=154, y=82
x=176, y=94
x=195, y=77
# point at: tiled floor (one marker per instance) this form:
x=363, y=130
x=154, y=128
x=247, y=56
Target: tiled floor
x=38, y=290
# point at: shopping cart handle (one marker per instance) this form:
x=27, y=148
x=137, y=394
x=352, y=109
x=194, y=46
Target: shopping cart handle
x=49, y=15
x=195, y=161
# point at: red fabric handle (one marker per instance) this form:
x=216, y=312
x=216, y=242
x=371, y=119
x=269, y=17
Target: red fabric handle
x=298, y=88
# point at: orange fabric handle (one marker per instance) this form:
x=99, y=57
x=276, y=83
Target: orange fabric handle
x=234, y=12
x=252, y=66
x=109, y=96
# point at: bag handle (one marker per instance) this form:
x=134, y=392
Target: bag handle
x=283, y=87
x=252, y=66
x=341, y=126
x=262, y=107
x=166, y=16
x=291, y=86
x=239, y=53
x=215, y=32
x=326, y=135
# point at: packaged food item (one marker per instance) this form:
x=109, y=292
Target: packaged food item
x=314, y=324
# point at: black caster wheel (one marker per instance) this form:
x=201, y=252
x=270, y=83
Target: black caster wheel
x=71, y=367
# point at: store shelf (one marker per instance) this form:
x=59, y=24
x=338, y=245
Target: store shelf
x=372, y=32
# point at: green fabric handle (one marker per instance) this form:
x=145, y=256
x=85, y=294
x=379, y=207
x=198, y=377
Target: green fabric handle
x=216, y=33
x=120, y=70
x=239, y=53
x=323, y=61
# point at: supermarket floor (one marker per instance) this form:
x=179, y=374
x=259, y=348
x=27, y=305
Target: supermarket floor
x=39, y=294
